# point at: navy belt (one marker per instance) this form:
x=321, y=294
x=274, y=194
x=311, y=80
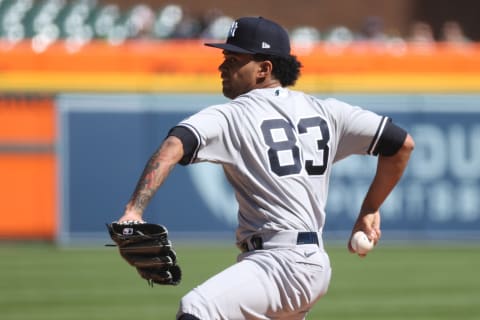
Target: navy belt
x=303, y=237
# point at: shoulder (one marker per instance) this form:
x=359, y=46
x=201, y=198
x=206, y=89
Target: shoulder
x=216, y=109
x=323, y=105
x=339, y=107
x=245, y=101
x=333, y=102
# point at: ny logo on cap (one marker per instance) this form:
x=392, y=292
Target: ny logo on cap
x=233, y=28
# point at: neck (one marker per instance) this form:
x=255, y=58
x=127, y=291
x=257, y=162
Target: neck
x=268, y=83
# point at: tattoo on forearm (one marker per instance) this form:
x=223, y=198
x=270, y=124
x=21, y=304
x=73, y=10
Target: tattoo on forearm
x=147, y=184
x=156, y=171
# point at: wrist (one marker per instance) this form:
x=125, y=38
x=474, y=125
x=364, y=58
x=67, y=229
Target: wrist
x=132, y=213
x=364, y=210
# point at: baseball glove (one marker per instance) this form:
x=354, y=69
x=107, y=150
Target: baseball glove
x=146, y=247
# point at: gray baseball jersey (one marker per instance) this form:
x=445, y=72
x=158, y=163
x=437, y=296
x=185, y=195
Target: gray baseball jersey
x=277, y=147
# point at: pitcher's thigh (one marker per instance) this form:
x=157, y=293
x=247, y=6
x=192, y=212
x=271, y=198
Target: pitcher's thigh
x=242, y=291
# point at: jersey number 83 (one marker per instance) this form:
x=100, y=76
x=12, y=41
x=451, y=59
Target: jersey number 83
x=279, y=135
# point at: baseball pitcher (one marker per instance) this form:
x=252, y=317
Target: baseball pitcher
x=277, y=147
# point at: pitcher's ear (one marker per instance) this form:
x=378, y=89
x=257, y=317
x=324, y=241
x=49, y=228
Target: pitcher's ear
x=265, y=68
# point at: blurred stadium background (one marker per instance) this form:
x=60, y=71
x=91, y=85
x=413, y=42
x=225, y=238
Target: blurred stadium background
x=80, y=21
x=89, y=88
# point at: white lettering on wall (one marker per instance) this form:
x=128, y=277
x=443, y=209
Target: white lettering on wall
x=430, y=153
x=464, y=150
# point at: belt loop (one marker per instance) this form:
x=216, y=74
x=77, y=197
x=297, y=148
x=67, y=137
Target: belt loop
x=307, y=238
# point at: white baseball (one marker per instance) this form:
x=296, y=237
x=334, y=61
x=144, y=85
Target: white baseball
x=360, y=243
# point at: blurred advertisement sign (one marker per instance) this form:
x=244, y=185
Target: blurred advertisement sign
x=105, y=141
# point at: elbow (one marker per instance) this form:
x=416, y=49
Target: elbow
x=171, y=151
x=406, y=149
x=408, y=144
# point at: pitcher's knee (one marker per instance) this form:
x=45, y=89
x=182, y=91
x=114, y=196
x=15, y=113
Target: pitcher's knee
x=193, y=304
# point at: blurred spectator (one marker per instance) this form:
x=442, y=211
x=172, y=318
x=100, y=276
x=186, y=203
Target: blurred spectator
x=452, y=32
x=337, y=39
x=140, y=22
x=421, y=33
x=80, y=21
x=210, y=15
x=104, y=19
x=304, y=38
x=168, y=18
x=305, y=35
x=340, y=35
x=75, y=27
x=373, y=30
x=218, y=28
x=189, y=27
x=215, y=24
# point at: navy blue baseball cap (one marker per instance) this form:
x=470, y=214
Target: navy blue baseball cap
x=256, y=35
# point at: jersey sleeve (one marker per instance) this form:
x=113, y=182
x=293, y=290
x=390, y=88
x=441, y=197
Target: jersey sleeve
x=358, y=130
x=216, y=134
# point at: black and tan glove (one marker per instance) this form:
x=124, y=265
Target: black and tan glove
x=146, y=247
